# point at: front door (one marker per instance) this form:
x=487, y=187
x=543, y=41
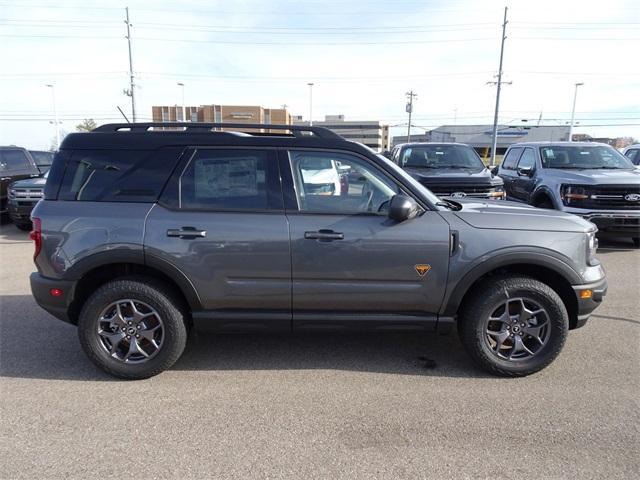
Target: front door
x=523, y=183
x=221, y=223
x=351, y=264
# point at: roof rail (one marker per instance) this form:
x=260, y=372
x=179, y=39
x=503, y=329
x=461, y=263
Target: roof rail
x=203, y=127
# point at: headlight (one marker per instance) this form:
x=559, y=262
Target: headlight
x=497, y=193
x=573, y=193
x=12, y=193
x=592, y=246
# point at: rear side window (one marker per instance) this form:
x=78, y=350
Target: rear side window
x=230, y=180
x=117, y=175
x=511, y=159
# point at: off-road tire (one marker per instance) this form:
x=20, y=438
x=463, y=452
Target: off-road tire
x=152, y=292
x=481, y=304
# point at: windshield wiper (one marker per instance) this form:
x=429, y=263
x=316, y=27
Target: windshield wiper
x=448, y=204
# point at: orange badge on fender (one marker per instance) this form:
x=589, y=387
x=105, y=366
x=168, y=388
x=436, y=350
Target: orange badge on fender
x=422, y=269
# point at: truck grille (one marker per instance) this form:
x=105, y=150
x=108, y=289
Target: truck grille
x=611, y=197
x=32, y=194
x=470, y=190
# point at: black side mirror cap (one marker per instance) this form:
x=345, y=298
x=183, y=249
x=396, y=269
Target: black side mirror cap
x=403, y=208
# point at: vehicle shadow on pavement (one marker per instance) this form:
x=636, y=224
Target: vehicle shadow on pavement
x=33, y=344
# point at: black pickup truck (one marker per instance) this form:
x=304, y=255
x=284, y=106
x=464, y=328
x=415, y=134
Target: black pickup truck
x=16, y=163
x=449, y=170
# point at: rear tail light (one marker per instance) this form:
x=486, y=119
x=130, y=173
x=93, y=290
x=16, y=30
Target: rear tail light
x=36, y=236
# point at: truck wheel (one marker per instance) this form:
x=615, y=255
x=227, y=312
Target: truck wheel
x=133, y=328
x=24, y=226
x=513, y=326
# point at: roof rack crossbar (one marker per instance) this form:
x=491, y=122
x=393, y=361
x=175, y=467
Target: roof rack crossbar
x=203, y=127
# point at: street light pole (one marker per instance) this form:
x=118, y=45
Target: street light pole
x=184, y=110
x=132, y=85
x=55, y=114
x=310, y=103
x=573, y=110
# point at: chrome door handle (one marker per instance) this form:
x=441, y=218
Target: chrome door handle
x=326, y=235
x=187, y=233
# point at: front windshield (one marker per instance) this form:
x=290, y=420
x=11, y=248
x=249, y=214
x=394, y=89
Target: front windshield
x=43, y=159
x=440, y=156
x=583, y=157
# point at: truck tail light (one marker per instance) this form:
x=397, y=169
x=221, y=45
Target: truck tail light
x=36, y=236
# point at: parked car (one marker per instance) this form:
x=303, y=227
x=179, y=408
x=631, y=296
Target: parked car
x=42, y=159
x=591, y=180
x=15, y=164
x=143, y=234
x=22, y=197
x=632, y=152
x=449, y=170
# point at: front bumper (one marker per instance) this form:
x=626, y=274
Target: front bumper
x=611, y=222
x=56, y=306
x=586, y=306
x=20, y=213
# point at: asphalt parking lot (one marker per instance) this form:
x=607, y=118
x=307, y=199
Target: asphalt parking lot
x=323, y=406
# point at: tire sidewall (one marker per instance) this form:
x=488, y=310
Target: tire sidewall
x=172, y=319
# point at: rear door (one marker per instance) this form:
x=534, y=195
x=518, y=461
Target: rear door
x=522, y=184
x=351, y=265
x=221, y=223
x=507, y=170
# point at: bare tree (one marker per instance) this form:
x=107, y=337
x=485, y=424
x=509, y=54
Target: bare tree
x=86, y=125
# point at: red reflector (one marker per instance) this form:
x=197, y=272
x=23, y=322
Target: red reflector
x=56, y=292
x=36, y=236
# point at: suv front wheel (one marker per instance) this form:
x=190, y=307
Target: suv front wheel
x=513, y=326
x=133, y=328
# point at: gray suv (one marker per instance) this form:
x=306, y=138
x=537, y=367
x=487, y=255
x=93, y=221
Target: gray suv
x=592, y=180
x=148, y=230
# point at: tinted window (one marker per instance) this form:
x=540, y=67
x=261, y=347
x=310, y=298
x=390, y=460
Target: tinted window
x=634, y=155
x=117, y=175
x=583, y=157
x=230, y=180
x=440, y=156
x=13, y=160
x=42, y=158
x=511, y=159
x=328, y=182
x=528, y=159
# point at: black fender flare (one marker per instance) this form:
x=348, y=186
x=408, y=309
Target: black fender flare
x=515, y=256
x=136, y=256
x=546, y=191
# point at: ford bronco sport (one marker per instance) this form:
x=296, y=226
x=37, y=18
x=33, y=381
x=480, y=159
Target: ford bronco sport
x=145, y=232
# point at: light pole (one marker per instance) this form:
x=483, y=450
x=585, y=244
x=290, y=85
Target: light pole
x=573, y=110
x=409, y=108
x=310, y=103
x=55, y=114
x=184, y=110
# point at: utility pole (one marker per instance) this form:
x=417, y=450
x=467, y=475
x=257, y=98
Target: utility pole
x=184, y=110
x=409, y=108
x=310, y=103
x=132, y=85
x=573, y=110
x=498, y=85
x=55, y=114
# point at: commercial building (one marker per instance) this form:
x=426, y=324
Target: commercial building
x=222, y=114
x=480, y=137
x=372, y=133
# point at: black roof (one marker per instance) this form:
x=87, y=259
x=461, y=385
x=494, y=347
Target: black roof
x=144, y=136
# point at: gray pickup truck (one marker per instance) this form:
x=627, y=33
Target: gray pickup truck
x=148, y=230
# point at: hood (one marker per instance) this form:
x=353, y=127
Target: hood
x=458, y=176
x=37, y=182
x=596, y=177
x=518, y=216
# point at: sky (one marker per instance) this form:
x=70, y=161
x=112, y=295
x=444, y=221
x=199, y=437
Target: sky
x=362, y=56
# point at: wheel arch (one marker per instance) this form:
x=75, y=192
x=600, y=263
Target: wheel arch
x=543, y=192
x=99, y=273
x=549, y=270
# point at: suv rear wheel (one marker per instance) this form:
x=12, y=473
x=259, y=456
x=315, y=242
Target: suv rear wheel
x=513, y=326
x=133, y=328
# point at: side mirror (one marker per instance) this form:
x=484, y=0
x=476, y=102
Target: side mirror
x=403, y=208
x=387, y=154
x=525, y=171
x=494, y=170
